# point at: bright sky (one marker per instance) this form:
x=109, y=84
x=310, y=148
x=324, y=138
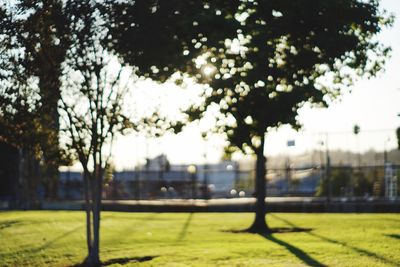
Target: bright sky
x=373, y=105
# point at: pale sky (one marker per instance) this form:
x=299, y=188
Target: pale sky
x=373, y=105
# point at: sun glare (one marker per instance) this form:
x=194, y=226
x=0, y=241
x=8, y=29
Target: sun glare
x=208, y=69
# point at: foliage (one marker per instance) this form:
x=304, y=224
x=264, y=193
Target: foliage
x=34, y=39
x=349, y=182
x=363, y=184
x=244, y=183
x=356, y=129
x=18, y=101
x=161, y=38
x=287, y=53
x=340, y=182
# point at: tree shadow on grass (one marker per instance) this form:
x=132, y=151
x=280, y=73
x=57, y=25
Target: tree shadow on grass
x=276, y=230
x=344, y=244
x=140, y=219
x=126, y=260
x=6, y=224
x=44, y=245
x=124, y=233
x=120, y=261
x=185, y=227
x=299, y=253
x=396, y=236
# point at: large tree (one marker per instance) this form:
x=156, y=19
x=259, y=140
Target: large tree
x=293, y=54
x=290, y=54
x=262, y=59
x=35, y=38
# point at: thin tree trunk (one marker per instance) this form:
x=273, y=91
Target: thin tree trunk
x=260, y=225
x=93, y=258
x=96, y=214
x=88, y=212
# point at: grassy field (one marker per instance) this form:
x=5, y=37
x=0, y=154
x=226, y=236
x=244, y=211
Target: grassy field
x=56, y=238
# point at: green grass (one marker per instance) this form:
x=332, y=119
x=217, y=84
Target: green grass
x=49, y=238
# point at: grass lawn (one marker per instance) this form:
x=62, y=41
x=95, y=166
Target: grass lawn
x=57, y=238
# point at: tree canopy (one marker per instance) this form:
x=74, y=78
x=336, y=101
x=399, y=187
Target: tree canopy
x=289, y=53
x=265, y=59
x=161, y=38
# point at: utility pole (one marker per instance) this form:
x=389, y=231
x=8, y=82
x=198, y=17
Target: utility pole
x=191, y=169
x=290, y=143
x=356, y=131
x=385, y=155
x=205, y=169
x=328, y=171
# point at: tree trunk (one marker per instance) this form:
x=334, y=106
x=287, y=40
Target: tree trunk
x=28, y=180
x=92, y=224
x=96, y=214
x=88, y=209
x=49, y=61
x=49, y=89
x=260, y=225
x=95, y=187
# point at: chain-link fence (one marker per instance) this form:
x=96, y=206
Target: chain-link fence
x=364, y=182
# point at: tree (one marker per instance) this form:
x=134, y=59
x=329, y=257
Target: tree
x=57, y=57
x=346, y=182
x=93, y=88
x=288, y=58
x=262, y=60
x=19, y=109
x=35, y=38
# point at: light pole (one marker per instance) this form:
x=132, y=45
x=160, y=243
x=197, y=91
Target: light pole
x=289, y=143
x=205, y=169
x=385, y=155
x=192, y=171
x=327, y=169
x=356, y=131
